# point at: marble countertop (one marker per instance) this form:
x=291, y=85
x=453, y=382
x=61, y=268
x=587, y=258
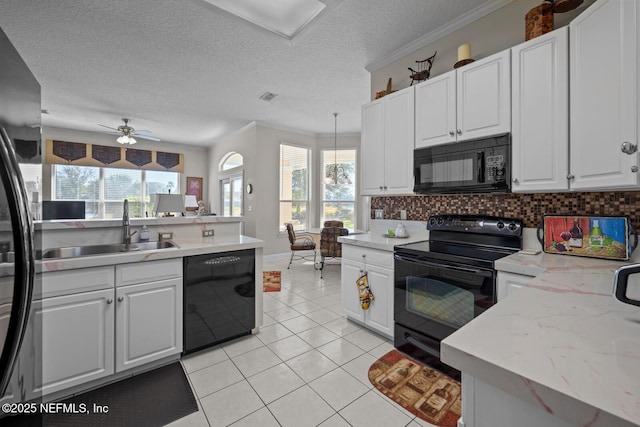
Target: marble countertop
x=562, y=343
x=185, y=248
x=378, y=241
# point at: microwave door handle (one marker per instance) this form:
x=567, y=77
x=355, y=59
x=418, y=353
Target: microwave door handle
x=481, y=171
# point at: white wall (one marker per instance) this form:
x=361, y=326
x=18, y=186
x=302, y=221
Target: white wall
x=490, y=34
x=195, y=158
x=260, y=146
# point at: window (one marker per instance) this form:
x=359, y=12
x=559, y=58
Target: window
x=339, y=200
x=104, y=189
x=230, y=170
x=294, y=186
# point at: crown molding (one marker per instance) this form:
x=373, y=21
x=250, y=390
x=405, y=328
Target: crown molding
x=456, y=24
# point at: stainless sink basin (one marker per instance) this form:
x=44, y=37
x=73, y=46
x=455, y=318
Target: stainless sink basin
x=80, y=251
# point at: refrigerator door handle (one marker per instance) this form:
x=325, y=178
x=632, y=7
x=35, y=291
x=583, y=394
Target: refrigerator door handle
x=22, y=226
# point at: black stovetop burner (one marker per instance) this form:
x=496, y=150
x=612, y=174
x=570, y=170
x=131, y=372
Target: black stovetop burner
x=471, y=240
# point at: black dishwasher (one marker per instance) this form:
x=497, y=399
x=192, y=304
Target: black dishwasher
x=219, y=298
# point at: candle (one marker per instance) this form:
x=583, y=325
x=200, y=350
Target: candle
x=464, y=52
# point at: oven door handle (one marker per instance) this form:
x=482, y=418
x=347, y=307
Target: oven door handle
x=421, y=346
x=444, y=266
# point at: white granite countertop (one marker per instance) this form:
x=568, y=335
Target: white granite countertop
x=185, y=248
x=562, y=343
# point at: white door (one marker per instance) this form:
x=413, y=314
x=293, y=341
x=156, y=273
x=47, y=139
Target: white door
x=380, y=313
x=69, y=341
x=372, y=148
x=399, y=142
x=350, y=272
x=540, y=133
x=148, y=322
x=484, y=97
x=436, y=111
x=604, y=90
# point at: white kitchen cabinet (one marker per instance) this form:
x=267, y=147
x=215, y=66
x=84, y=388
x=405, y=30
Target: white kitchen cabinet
x=604, y=95
x=70, y=341
x=471, y=102
x=508, y=282
x=387, y=144
x=379, y=267
x=148, y=322
x=540, y=128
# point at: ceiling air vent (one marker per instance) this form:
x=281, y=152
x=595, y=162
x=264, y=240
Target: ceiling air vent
x=267, y=96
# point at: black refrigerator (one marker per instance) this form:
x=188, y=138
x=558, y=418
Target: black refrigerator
x=20, y=138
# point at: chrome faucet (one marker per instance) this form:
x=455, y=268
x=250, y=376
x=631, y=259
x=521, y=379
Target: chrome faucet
x=126, y=228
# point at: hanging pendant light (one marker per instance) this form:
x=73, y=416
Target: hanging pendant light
x=336, y=173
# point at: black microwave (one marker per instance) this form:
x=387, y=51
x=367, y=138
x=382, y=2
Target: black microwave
x=479, y=166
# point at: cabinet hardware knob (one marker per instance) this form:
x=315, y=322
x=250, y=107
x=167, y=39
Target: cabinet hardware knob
x=459, y=131
x=120, y=299
x=385, y=187
x=628, y=147
x=364, y=255
x=361, y=271
x=570, y=177
x=515, y=180
x=451, y=133
x=109, y=301
x=381, y=188
x=634, y=169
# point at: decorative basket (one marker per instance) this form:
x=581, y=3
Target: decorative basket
x=538, y=21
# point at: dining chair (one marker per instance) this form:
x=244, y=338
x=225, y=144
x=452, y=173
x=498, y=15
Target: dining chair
x=333, y=223
x=300, y=243
x=329, y=245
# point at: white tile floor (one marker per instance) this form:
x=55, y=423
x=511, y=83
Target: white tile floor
x=307, y=367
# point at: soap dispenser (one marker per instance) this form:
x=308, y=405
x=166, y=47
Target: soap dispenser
x=144, y=234
x=401, y=231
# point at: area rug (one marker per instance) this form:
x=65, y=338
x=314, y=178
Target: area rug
x=271, y=281
x=153, y=398
x=421, y=390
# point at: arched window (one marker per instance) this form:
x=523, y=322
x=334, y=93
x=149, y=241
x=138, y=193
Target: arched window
x=231, y=179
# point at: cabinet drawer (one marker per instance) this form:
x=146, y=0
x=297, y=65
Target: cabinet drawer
x=370, y=256
x=144, y=272
x=58, y=283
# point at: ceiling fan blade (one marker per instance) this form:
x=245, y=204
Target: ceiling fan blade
x=142, y=132
x=150, y=138
x=109, y=127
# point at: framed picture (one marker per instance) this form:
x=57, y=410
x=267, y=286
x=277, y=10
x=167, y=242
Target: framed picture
x=194, y=187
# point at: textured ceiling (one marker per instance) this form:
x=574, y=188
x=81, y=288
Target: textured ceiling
x=192, y=73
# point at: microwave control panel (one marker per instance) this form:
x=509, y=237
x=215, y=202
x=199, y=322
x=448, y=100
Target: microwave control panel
x=495, y=168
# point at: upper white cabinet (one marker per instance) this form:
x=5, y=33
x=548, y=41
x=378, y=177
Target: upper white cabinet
x=540, y=113
x=604, y=95
x=471, y=102
x=387, y=144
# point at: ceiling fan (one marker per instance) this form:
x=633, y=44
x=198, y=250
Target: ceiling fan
x=127, y=133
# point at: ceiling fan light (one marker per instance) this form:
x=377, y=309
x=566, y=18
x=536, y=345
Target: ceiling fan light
x=126, y=140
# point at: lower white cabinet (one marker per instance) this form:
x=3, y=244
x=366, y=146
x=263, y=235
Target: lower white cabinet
x=507, y=282
x=70, y=341
x=148, y=322
x=85, y=334
x=379, y=267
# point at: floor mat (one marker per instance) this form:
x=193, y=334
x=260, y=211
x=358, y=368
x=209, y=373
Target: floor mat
x=154, y=398
x=271, y=281
x=421, y=390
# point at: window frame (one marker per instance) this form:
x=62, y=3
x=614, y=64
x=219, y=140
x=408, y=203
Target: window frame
x=307, y=202
x=101, y=201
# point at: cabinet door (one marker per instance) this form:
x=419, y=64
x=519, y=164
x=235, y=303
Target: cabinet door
x=398, y=142
x=540, y=134
x=507, y=282
x=69, y=341
x=604, y=90
x=148, y=322
x=436, y=111
x=379, y=316
x=350, y=272
x=484, y=97
x=372, y=148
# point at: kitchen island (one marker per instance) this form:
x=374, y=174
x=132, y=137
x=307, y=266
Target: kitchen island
x=558, y=351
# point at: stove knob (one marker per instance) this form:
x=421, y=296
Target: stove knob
x=500, y=225
x=432, y=221
x=440, y=220
x=512, y=226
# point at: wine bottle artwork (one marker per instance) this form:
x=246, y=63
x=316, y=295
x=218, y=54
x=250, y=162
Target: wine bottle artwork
x=575, y=241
